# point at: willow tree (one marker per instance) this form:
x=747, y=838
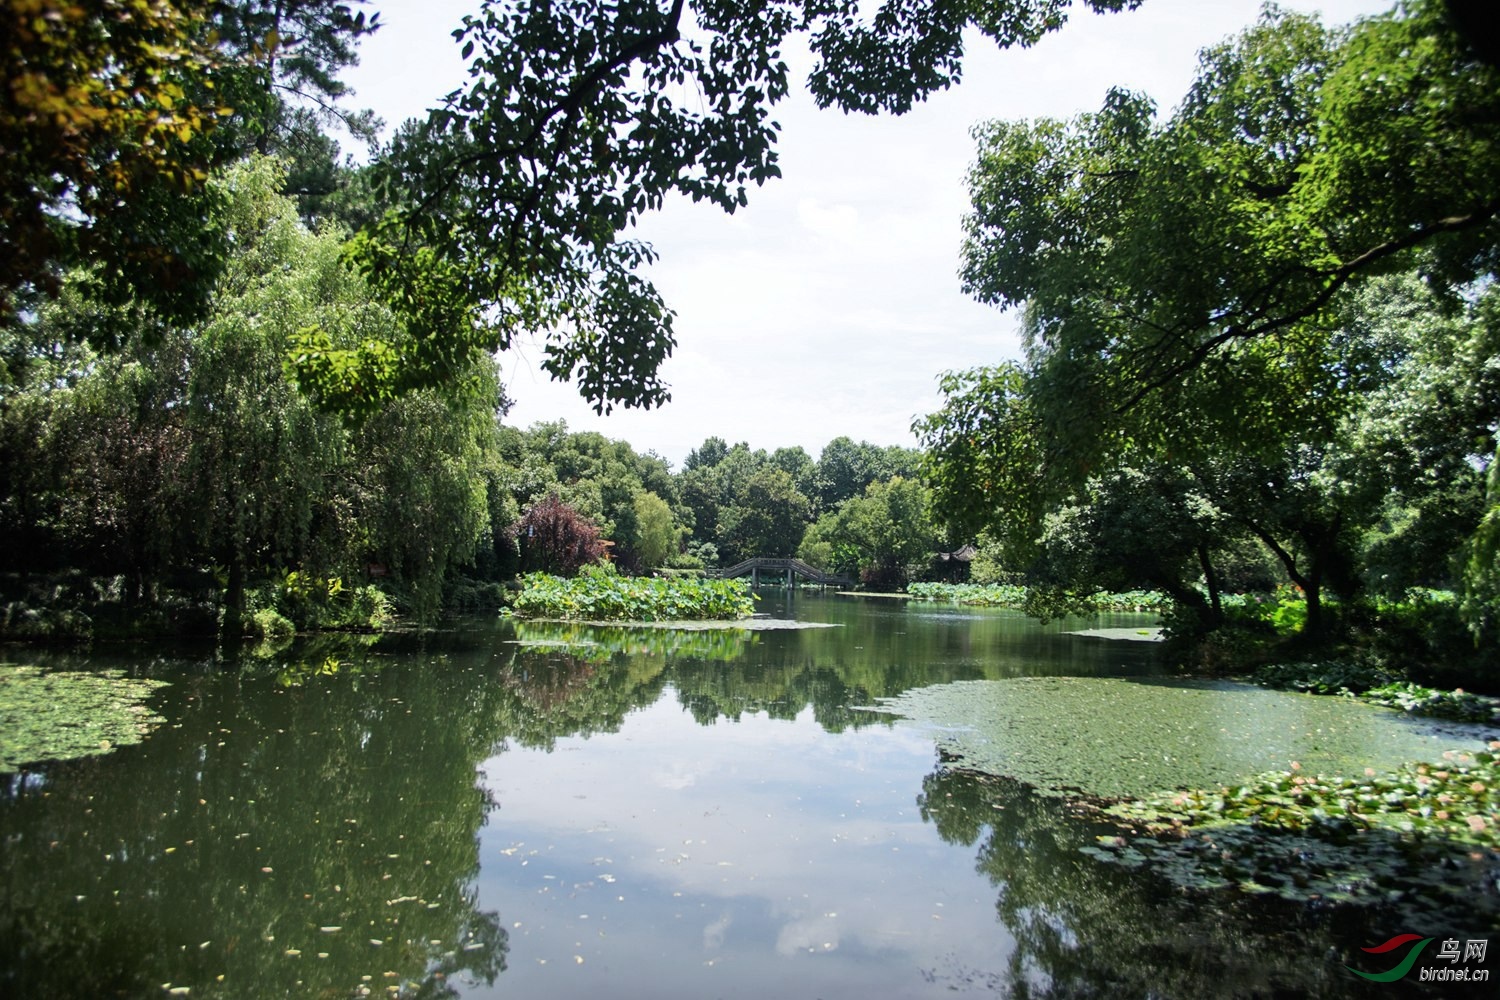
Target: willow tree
x=193, y=449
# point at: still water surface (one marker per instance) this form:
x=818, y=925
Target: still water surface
x=507, y=810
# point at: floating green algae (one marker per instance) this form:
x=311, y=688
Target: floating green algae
x=58, y=716
x=1116, y=737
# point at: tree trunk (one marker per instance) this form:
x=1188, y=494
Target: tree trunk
x=1310, y=582
x=1313, y=627
x=1211, y=580
x=234, y=602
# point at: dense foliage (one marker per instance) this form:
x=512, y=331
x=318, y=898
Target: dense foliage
x=511, y=207
x=192, y=454
x=599, y=594
x=103, y=120
x=1260, y=334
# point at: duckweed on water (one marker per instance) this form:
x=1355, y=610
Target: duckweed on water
x=1424, y=835
x=1116, y=737
x=58, y=716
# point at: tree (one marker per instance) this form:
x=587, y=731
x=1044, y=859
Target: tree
x=1191, y=292
x=766, y=517
x=305, y=43
x=986, y=462
x=291, y=97
x=1196, y=266
x=1136, y=529
x=844, y=470
x=193, y=450
x=104, y=121
x=513, y=202
x=1418, y=444
x=710, y=453
x=888, y=530
x=657, y=534
x=555, y=538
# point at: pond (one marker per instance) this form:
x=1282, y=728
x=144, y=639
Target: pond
x=533, y=810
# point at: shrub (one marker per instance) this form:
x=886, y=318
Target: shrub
x=268, y=623
x=19, y=621
x=320, y=603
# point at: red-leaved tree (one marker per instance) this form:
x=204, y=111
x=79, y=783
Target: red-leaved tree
x=555, y=538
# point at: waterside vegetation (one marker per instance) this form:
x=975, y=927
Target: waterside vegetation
x=599, y=593
x=1426, y=834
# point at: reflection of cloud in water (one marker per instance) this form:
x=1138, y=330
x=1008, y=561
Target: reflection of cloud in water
x=810, y=934
x=790, y=837
x=713, y=934
x=676, y=776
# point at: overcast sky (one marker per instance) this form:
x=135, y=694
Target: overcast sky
x=831, y=304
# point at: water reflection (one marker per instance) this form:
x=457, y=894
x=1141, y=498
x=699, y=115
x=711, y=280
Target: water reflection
x=555, y=811
x=1083, y=928
x=270, y=841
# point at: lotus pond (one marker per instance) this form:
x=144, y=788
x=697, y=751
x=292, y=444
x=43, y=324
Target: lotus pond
x=908, y=801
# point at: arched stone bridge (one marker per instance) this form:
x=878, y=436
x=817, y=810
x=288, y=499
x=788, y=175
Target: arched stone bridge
x=787, y=569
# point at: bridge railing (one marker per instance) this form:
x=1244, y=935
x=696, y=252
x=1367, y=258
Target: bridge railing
x=782, y=565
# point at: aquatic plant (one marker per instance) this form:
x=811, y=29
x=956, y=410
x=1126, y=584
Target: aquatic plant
x=997, y=595
x=598, y=593
x=1424, y=832
x=65, y=714
x=1419, y=700
x=1378, y=686
x=1323, y=677
x=1010, y=595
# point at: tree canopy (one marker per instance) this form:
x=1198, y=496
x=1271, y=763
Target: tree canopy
x=512, y=205
x=102, y=123
x=1196, y=264
x=1234, y=315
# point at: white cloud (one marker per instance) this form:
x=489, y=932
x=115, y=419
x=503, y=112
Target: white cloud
x=834, y=222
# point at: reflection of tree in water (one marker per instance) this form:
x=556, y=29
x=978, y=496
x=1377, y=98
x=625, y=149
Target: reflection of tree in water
x=316, y=840
x=711, y=691
x=551, y=693
x=579, y=666
x=1084, y=928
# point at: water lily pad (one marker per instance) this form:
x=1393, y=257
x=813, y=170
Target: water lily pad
x=58, y=716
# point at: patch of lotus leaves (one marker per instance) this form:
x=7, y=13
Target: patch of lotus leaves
x=1424, y=835
x=57, y=716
